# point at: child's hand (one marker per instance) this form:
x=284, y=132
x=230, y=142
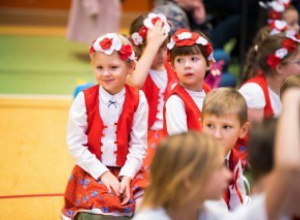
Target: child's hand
x=125, y=189
x=157, y=35
x=111, y=182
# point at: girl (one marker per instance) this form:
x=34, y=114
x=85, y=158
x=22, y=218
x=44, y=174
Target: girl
x=186, y=170
x=153, y=73
x=191, y=56
x=277, y=57
x=107, y=133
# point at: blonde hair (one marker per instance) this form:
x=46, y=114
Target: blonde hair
x=290, y=82
x=224, y=101
x=188, y=156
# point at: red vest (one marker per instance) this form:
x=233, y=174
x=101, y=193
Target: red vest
x=192, y=111
x=233, y=161
x=95, y=124
x=261, y=81
x=152, y=93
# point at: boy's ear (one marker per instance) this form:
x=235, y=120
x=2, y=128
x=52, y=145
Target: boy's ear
x=244, y=130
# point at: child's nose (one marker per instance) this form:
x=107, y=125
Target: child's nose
x=106, y=72
x=187, y=64
x=218, y=134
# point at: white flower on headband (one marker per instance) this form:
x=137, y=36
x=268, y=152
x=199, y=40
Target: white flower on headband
x=171, y=44
x=284, y=1
x=276, y=6
x=211, y=57
x=279, y=24
x=292, y=35
x=150, y=21
x=201, y=40
x=281, y=53
x=184, y=35
x=137, y=39
x=116, y=43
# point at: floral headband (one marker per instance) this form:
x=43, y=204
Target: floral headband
x=184, y=37
x=139, y=37
x=111, y=42
x=289, y=45
x=277, y=26
x=276, y=7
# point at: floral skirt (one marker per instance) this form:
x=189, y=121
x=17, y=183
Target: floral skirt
x=85, y=194
x=154, y=136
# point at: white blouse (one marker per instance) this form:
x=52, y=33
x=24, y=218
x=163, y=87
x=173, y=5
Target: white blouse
x=110, y=113
x=176, y=117
x=255, y=98
x=160, y=78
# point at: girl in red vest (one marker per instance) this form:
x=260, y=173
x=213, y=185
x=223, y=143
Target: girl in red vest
x=107, y=136
x=191, y=56
x=276, y=58
x=153, y=73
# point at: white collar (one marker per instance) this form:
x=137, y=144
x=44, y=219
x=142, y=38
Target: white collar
x=106, y=97
x=228, y=155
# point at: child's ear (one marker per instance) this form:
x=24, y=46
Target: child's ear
x=187, y=183
x=210, y=65
x=132, y=65
x=244, y=130
x=280, y=69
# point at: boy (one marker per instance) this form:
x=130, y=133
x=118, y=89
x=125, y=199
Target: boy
x=224, y=116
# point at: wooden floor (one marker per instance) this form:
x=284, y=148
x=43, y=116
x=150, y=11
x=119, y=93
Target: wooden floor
x=35, y=164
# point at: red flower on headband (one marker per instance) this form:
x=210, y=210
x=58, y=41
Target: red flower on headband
x=289, y=44
x=143, y=32
x=208, y=49
x=154, y=20
x=273, y=61
x=92, y=50
x=106, y=43
x=125, y=52
x=185, y=42
x=274, y=15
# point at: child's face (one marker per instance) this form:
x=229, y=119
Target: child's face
x=190, y=70
x=290, y=67
x=110, y=71
x=217, y=183
x=292, y=18
x=226, y=128
x=160, y=59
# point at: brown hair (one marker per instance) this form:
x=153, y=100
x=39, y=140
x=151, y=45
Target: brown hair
x=193, y=156
x=224, y=101
x=251, y=66
x=290, y=82
x=268, y=47
x=135, y=26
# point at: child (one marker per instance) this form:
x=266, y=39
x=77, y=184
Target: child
x=186, y=170
x=290, y=82
x=107, y=133
x=291, y=16
x=153, y=73
x=224, y=116
x=191, y=56
x=277, y=58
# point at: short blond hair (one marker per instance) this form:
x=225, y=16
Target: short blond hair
x=224, y=101
x=290, y=82
x=193, y=156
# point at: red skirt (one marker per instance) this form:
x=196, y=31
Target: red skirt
x=154, y=136
x=85, y=194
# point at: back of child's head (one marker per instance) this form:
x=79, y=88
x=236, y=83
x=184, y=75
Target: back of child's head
x=110, y=43
x=185, y=42
x=225, y=101
x=188, y=156
x=289, y=82
x=275, y=50
x=261, y=148
x=139, y=29
x=275, y=27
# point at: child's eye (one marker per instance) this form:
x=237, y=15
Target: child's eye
x=194, y=58
x=209, y=125
x=227, y=127
x=179, y=60
x=113, y=67
x=99, y=67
